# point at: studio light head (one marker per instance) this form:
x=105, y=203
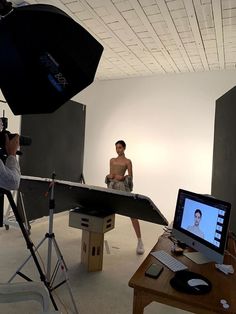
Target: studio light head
x=46, y=58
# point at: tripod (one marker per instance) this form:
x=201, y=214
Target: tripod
x=47, y=278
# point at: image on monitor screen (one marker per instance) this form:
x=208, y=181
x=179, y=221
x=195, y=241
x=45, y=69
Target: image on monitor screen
x=202, y=222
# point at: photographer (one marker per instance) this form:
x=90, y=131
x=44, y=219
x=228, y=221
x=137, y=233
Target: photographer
x=10, y=171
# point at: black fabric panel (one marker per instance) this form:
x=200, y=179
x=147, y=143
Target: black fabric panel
x=57, y=143
x=224, y=155
x=57, y=147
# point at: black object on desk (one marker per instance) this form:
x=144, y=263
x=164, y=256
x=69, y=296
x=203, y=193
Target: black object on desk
x=154, y=271
x=190, y=282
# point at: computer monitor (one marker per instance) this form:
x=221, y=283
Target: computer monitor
x=201, y=222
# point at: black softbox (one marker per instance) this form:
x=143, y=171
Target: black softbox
x=45, y=58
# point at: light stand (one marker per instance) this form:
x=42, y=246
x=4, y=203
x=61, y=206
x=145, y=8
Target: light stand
x=50, y=236
x=52, y=242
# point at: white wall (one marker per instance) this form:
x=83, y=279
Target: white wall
x=167, y=122
x=168, y=125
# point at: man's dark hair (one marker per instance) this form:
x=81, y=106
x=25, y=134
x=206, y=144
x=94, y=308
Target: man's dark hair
x=198, y=211
x=121, y=142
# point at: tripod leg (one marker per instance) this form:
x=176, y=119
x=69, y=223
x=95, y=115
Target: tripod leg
x=64, y=270
x=28, y=243
x=27, y=224
x=26, y=261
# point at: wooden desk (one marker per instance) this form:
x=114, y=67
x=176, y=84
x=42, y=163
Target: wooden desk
x=147, y=290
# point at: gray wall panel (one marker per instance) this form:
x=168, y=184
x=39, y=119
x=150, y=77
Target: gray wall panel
x=57, y=146
x=224, y=155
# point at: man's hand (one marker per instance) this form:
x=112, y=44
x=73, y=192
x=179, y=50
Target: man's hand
x=12, y=145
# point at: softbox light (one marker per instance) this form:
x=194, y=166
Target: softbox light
x=45, y=58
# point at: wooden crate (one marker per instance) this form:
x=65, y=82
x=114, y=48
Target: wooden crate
x=91, y=220
x=94, y=224
x=92, y=250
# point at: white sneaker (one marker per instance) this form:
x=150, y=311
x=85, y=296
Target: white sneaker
x=140, y=248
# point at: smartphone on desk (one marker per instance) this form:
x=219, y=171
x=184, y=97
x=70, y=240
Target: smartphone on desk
x=154, y=271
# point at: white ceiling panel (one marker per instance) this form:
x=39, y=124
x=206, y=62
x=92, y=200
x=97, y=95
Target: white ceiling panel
x=148, y=37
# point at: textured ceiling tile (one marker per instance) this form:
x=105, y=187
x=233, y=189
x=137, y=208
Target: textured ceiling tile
x=191, y=46
x=146, y=3
x=206, y=1
x=146, y=37
x=175, y=5
x=209, y=43
x=109, y=19
x=179, y=14
x=231, y=57
x=198, y=67
x=195, y=59
x=96, y=3
x=147, y=40
x=151, y=10
x=209, y=36
x=68, y=1
x=101, y=11
x=134, y=22
x=183, y=27
x=229, y=21
x=94, y=25
x=155, y=18
x=161, y=28
x=130, y=15
x=212, y=58
x=186, y=40
x=186, y=34
x=84, y=15
x=123, y=6
x=206, y=24
x=115, y=26
x=228, y=4
x=103, y=35
x=144, y=34
x=75, y=7
x=230, y=66
x=229, y=13
x=139, y=28
x=123, y=35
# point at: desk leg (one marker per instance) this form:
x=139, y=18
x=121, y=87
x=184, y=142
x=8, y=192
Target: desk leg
x=140, y=301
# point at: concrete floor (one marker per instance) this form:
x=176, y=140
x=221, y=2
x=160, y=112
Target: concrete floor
x=103, y=292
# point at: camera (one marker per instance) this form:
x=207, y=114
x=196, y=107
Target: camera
x=24, y=140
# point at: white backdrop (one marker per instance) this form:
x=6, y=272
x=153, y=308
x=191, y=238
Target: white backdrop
x=168, y=124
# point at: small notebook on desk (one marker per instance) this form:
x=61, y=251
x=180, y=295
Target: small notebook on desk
x=169, y=261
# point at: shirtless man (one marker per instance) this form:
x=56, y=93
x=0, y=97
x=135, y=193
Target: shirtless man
x=195, y=228
x=119, y=181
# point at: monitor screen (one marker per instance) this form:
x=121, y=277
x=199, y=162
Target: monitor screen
x=201, y=222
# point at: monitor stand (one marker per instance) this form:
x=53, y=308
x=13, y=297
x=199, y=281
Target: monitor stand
x=197, y=257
